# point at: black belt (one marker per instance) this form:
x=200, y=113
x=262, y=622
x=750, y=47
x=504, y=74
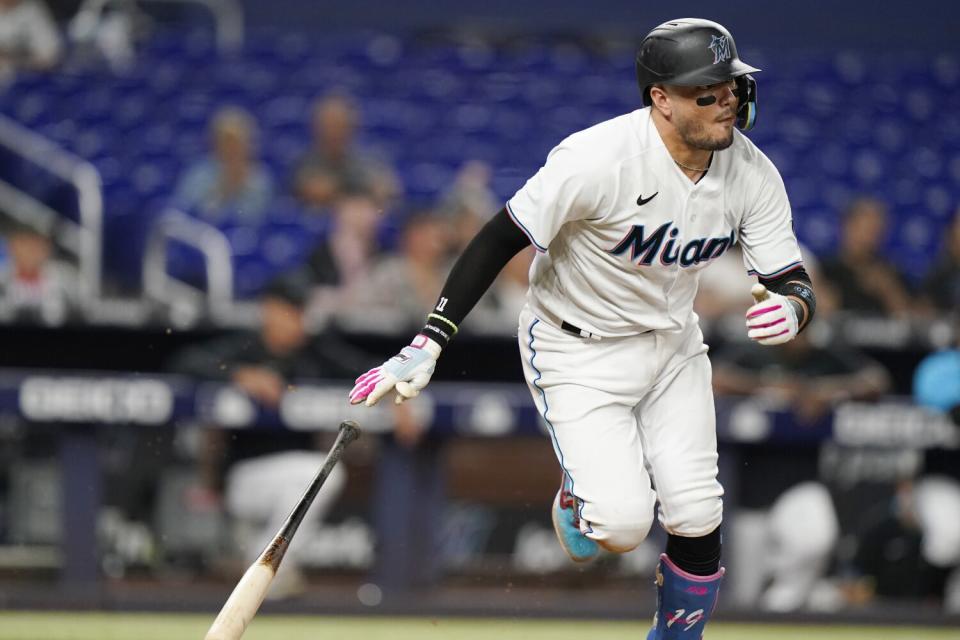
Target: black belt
x=570, y=328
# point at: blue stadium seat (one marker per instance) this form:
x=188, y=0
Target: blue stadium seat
x=836, y=124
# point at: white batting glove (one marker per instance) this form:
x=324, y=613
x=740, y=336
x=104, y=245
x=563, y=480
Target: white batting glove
x=407, y=373
x=772, y=320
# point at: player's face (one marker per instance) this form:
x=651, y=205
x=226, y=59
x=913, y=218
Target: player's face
x=710, y=127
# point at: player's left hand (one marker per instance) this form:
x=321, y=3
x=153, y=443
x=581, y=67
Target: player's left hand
x=773, y=320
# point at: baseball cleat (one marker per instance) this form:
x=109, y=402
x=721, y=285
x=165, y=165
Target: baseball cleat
x=566, y=522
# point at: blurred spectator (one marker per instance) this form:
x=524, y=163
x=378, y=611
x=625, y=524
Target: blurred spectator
x=909, y=543
x=334, y=166
x=936, y=381
x=468, y=205
x=941, y=286
x=230, y=182
x=936, y=386
x=810, y=375
x=863, y=280
x=340, y=266
x=262, y=473
x=498, y=311
x=402, y=286
x=108, y=33
x=725, y=287
x=34, y=286
x=29, y=38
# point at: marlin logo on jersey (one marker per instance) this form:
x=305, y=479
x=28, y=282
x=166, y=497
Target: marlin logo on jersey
x=720, y=46
x=663, y=242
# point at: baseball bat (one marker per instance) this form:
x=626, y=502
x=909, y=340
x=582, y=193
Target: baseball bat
x=759, y=292
x=247, y=596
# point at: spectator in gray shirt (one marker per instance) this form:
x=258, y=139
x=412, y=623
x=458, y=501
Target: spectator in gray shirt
x=230, y=182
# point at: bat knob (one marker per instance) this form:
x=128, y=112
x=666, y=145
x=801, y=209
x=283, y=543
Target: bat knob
x=350, y=430
x=759, y=292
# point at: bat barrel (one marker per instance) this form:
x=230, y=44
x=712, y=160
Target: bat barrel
x=242, y=604
x=248, y=595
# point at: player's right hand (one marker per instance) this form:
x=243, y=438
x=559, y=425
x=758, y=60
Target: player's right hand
x=773, y=319
x=407, y=373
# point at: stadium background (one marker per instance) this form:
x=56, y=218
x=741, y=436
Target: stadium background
x=100, y=429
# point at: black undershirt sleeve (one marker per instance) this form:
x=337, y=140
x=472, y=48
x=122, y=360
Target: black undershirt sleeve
x=475, y=270
x=795, y=283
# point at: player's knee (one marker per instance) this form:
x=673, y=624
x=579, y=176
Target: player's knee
x=693, y=519
x=621, y=527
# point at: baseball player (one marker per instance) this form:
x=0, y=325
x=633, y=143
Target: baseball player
x=623, y=216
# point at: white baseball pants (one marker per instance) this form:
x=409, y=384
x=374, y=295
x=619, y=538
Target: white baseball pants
x=632, y=422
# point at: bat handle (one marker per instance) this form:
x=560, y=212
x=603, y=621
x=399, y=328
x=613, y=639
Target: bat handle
x=759, y=292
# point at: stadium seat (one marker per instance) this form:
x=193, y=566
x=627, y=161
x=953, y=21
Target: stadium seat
x=835, y=125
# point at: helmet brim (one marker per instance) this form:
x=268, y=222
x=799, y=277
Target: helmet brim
x=713, y=74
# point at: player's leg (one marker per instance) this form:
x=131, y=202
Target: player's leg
x=606, y=497
x=678, y=430
x=804, y=528
x=263, y=490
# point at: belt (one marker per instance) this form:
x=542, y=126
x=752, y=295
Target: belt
x=572, y=328
x=564, y=325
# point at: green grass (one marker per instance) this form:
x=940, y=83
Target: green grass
x=98, y=626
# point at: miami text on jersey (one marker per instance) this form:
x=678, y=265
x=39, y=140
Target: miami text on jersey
x=663, y=241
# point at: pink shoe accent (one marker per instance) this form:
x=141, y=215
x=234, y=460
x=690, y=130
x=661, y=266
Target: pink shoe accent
x=760, y=312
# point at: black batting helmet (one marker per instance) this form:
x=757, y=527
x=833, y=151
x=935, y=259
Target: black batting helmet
x=692, y=52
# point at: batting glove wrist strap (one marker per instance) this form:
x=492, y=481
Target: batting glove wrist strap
x=802, y=291
x=772, y=321
x=407, y=373
x=440, y=329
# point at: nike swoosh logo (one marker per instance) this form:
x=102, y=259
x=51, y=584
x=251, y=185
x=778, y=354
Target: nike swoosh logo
x=642, y=201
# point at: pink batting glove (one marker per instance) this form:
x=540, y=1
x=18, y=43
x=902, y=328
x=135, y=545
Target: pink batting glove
x=772, y=320
x=407, y=373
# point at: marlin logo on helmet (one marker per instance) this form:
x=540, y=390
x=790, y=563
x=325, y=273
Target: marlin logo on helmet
x=720, y=45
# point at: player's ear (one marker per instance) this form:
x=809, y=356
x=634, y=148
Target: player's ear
x=660, y=100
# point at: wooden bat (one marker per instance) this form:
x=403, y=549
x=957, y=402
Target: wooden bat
x=759, y=292
x=247, y=596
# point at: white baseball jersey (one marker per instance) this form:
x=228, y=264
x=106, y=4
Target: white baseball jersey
x=622, y=233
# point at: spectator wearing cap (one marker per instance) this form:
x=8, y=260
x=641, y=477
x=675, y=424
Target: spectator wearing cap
x=231, y=182
x=264, y=362
x=257, y=474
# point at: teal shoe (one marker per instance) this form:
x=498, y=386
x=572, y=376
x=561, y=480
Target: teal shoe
x=566, y=522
